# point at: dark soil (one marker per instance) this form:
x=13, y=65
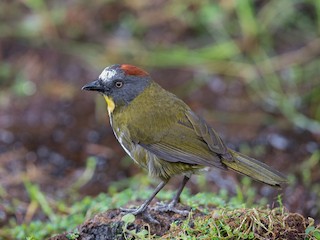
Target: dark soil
x=108, y=225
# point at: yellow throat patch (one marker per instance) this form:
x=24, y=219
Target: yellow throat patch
x=110, y=104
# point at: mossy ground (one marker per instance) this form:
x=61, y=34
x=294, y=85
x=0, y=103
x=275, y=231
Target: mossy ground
x=241, y=223
x=212, y=216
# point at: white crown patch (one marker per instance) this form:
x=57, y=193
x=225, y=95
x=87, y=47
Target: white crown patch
x=107, y=74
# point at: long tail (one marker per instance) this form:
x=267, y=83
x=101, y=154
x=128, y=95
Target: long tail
x=255, y=169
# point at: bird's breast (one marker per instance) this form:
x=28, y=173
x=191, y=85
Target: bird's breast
x=135, y=151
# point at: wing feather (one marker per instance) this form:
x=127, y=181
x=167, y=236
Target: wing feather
x=190, y=140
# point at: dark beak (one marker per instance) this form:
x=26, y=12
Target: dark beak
x=93, y=86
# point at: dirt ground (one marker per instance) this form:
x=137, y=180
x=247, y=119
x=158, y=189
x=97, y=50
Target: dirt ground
x=108, y=225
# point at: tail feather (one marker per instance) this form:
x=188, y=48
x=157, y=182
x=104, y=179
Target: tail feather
x=255, y=169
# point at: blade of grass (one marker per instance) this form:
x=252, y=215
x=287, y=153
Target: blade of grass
x=37, y=196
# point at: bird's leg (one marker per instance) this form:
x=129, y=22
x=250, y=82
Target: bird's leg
x=171, y=206
x=143, y=208
x=176, y=198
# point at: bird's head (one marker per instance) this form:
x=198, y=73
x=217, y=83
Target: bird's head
x=120, y=84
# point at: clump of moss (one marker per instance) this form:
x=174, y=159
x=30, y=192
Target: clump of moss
x=244, y=223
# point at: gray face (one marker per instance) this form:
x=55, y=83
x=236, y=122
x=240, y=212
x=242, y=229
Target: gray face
x=120, y=82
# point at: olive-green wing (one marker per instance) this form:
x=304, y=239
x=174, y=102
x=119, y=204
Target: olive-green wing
x=190, y=140
x=207, y=133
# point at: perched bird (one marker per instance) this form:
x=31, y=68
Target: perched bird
x=164, y=136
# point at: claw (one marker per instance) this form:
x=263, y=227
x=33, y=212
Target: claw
x=140, y=211
x=134, y=211
x=162, y=207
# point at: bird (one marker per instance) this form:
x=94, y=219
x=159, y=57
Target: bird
x=164, y=136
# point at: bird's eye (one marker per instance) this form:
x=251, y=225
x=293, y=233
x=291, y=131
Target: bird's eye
x=119, y=84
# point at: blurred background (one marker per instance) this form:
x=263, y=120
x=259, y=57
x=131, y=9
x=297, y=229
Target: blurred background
x=250, y=68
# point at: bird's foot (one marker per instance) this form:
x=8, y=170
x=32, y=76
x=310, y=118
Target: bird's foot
x=140, y=211
x=134, y=211
x=163, y=207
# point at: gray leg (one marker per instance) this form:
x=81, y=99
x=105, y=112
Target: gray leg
x=176, y=198
x=171, y=206
x=143, y=208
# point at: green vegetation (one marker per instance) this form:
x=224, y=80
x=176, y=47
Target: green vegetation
x=242, y=223
x=225, y=216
